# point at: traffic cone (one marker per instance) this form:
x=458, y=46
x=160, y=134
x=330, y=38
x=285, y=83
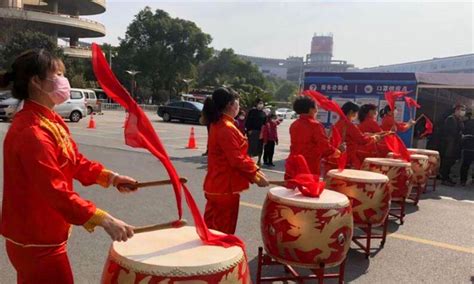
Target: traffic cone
x=192, y=140
x=91, y=122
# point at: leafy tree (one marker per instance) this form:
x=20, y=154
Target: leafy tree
x=285, y=91
x=164, y=49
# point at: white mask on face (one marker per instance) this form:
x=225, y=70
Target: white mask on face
x=260, y=106
x=61, y=90
x=241, y=117
x=462, y=113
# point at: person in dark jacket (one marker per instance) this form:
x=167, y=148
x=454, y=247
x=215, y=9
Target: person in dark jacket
x=256, y=118
x=467, y=152
x=451, y=143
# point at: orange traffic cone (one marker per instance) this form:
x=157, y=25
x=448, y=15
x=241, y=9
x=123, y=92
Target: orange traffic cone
x=91, y=122
x=192, y=140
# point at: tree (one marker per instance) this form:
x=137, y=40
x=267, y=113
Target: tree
x=165, y=50
x=285, y=91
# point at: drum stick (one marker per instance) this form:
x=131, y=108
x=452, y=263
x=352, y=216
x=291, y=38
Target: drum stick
x=421, y=116
x=170, y=225
x=153, y=183
x=277, y=182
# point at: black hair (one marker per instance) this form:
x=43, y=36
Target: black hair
x=29, y=64
x=350, y=106
x=303, y=104
x=364, y=111
x=241, y=112
x=385, y=111
x=215, y=104
x=257, y=101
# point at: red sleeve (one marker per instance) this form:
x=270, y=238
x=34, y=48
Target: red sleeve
x=356, y=136
x=323, y=144
x=387, y=123
x=402, y=126
x=39, y=160
x=87, y=172
x=231, y=142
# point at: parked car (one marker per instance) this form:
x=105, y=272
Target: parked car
x=8, y=105
x=285, y=113
x=181, y=110
x=92, y=104
x=74, y=108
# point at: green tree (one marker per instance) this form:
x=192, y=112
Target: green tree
x=285, y=91
x=164, y=49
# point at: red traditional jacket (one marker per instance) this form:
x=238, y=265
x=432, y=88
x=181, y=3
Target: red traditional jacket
x=358, y=145
x=270, y=132
x=309, y=139
x=389, y=124
x=370, y=125
x=40, y=162
x=229, y=169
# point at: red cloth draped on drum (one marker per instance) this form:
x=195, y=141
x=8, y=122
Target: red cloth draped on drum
x=358, y=144
x=309, y=139
x=298, y=175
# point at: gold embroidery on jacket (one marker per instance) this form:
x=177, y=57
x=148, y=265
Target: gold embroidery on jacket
x=61, y=136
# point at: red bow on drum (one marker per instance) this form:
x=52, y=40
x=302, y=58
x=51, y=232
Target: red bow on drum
x=298, y=175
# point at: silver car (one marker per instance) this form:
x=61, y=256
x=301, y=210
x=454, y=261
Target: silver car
x=8, y=105
x=74, y=108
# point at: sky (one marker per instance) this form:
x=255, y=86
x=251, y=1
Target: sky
x=366, y=33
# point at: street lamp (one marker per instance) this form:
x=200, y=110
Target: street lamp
x=132, y=73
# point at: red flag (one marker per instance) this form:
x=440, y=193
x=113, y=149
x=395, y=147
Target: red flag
x=139, y=133
x=391, y=97
x=428, y=127
x=298, y=175
x=396, y=145
x=325, y=103
x=411, y=103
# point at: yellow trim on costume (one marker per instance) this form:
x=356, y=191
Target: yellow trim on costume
x=95, y=220
x=104, y=178
x=61, y=136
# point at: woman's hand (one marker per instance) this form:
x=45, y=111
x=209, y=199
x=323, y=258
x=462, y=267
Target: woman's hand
x=336, y=154
x=342, y=147
x=261, y=180
x=117, y=229
x=124, y=184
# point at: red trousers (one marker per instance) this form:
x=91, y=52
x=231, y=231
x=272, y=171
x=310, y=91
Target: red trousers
x=222, y=212
x=40, y=265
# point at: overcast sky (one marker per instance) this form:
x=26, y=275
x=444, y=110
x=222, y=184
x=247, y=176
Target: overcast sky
x=366, y=33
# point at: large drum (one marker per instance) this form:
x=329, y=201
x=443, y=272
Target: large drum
x=420, y=166
x=367, y=191
x=305, y=231
x=173, y=256
x=398, y=172
x=434, y=159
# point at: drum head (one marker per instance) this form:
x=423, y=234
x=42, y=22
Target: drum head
x=424, y=151
x=358, y=176
x=387, y=162
x=327, y=199
x=418, y=157
x=173, y=252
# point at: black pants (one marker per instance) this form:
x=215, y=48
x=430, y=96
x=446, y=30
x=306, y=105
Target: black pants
x=467, y=159
x=268, y=152
x=446, y=165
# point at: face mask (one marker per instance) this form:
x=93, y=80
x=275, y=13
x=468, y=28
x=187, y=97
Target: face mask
x=260, y=106
x=462, y=113
x=241, y=117
x=61, y=90
x=395, y=112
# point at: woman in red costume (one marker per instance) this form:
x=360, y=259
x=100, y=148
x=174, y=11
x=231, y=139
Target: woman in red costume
x=40, y=162
x=368, y=125
x=389, y=123
x=308, y=137
x=230, y=170
x=359, y=145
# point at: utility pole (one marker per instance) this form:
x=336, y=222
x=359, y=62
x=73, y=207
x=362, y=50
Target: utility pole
x=132, y=87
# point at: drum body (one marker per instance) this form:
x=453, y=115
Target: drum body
x=434, y=159
x=173, y=256
x=367, y=191
x=304, y=231
x=420, y=166
x=398, y=172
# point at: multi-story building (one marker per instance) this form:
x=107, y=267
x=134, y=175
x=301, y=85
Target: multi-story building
x=453, y=64
x=57, y=18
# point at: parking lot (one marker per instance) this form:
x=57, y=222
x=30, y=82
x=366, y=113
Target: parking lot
x=435, y=245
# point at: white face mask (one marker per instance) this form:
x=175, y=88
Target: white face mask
x=260, y=106
x=61, y=90
x=462, y=113
x=241, y=117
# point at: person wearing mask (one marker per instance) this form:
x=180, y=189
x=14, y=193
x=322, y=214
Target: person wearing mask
x=308, y=137
x=451, y=143
x=359, y=145
x=256, y=118
x=467, y=153
x=240, y=121
x=230, y=170
x=368, y=124
x=270, y=139
x=41, y=161
x=389, y=123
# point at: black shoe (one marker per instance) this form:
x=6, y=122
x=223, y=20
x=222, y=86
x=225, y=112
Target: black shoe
x=448, y=183
x=272, y=165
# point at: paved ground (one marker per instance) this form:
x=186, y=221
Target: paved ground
x=435, y=245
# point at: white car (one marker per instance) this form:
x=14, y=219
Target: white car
x=285, y=113
x=74, y=108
